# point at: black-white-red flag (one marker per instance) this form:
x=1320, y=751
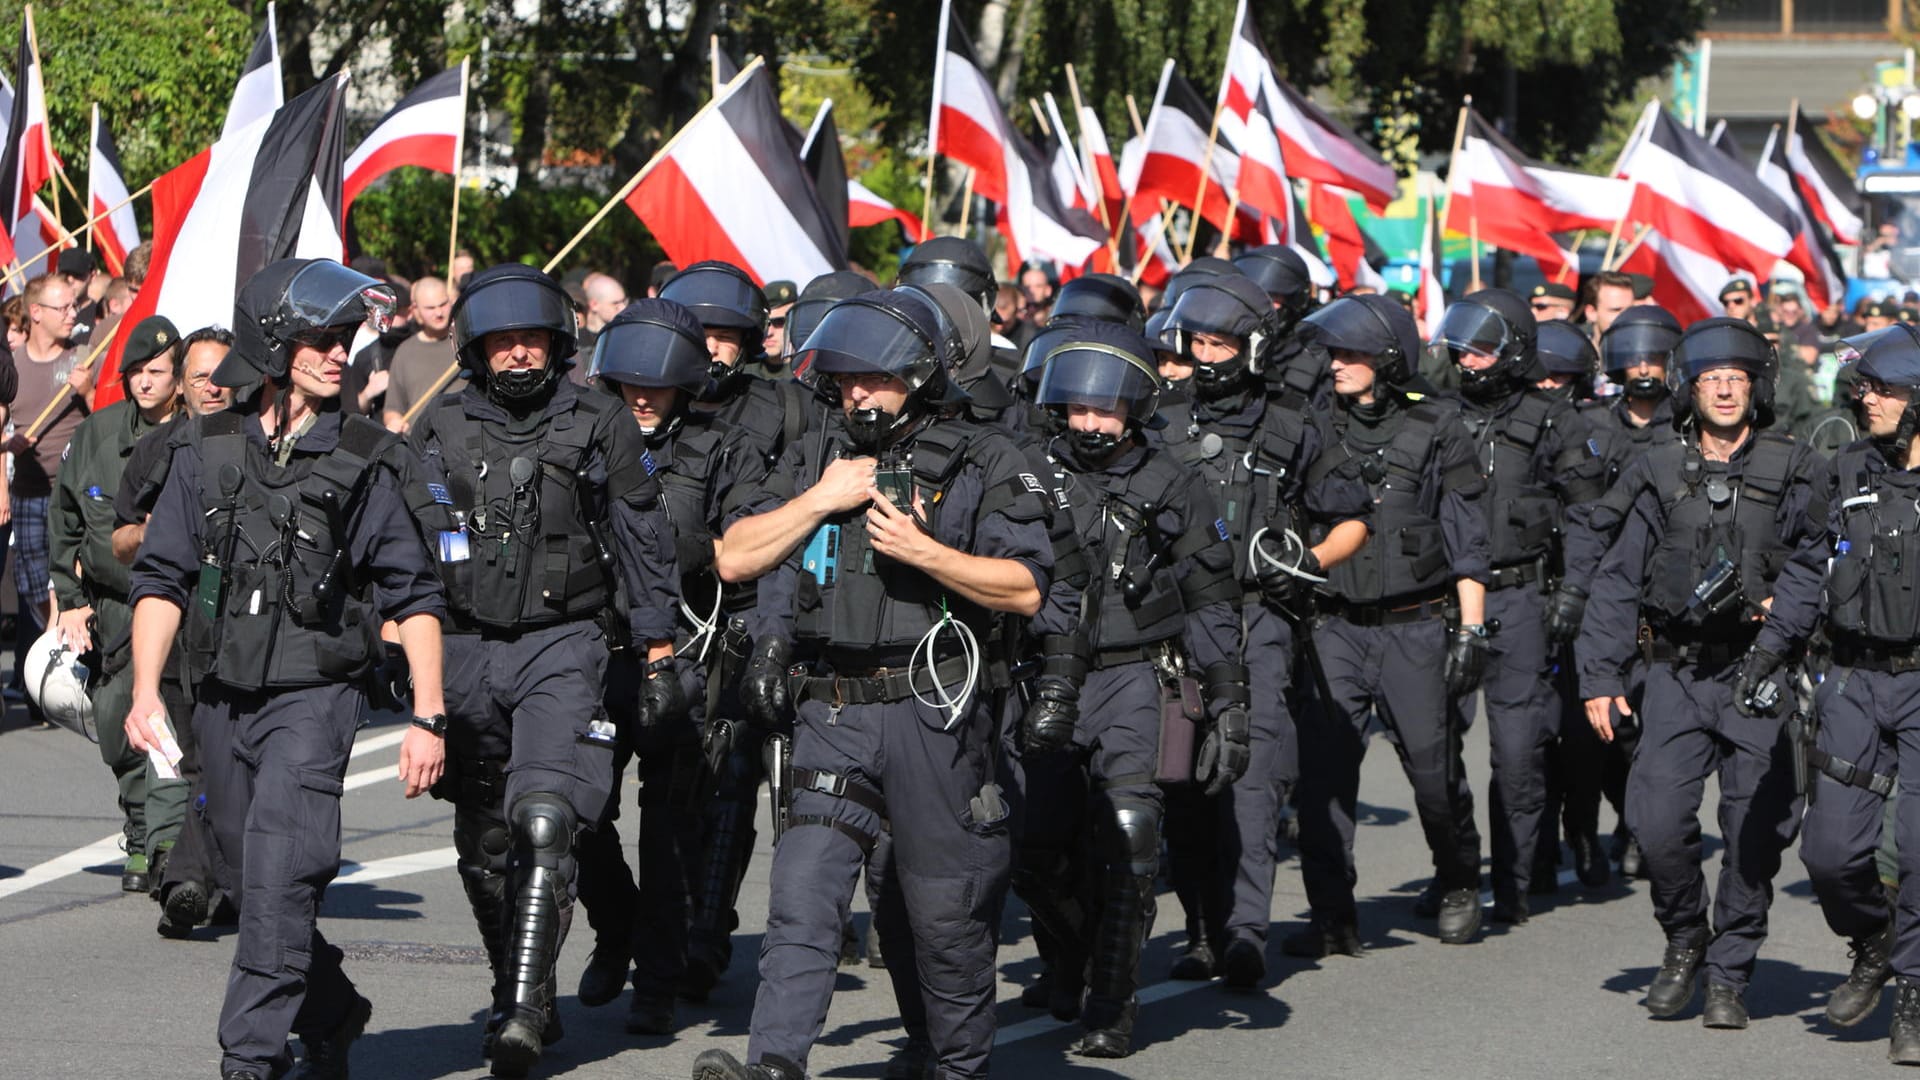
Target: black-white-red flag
x=119, y=233
x=259, y=91
x=1813, y=253
x=423, y=130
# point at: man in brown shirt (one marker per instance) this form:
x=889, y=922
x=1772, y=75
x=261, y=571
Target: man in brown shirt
x=421, y=359
x=42, y=367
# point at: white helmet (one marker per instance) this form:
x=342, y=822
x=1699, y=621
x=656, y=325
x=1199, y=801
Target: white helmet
x=57, y=682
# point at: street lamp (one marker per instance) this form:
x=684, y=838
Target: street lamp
x=1866, y=106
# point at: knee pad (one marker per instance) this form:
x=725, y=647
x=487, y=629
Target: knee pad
x=1133, y=836
x=543, y=825
x=481, y=839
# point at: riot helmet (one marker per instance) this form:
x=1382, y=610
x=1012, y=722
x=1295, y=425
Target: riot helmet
x=1204, y=268
x=513, y=297
x=1722, y=342
x=820, y=294
x=1106, y=367
x=1052, y=336
x=56, y=678
x=1374, y=325
x=1495, y=323
x=1882, y=359
x=1565, y=350
x=1106, y=297
x=888, y=332
x=951, y=260
x=1642, y=334
x=653, y=343
x=296, y=300
x=1229, y=305
x=721, y=294
x=1281, y=271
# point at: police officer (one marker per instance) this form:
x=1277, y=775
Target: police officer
x=963, y=264
x=1711, y=521
x=90, y=585
x=1281, y=271
x=1855, y=571
x=1160, y=612
x=768, y=416
x=559, y=541
x=1386, y=642
x=1568, y=361
x=653, y=356
x=1517, y=432
x=893, y=715
x=1243, y=434
x=1636, y=352
x=284, y=538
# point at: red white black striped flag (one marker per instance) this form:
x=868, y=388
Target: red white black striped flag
x=423, y=130
x=119, y=233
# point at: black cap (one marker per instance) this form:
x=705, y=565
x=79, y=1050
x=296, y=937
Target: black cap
x=1642, y=286
x=1878, y=309
x=1736, y=287
x=1552, y=290
x=781, y=292
x=77, y=263
x=1909, y=315
x=152, y=336
x=661, y=272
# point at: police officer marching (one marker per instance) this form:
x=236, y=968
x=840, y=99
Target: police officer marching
x=904, y=528
x=283, y=538
x=1856, y=571
x=557, y=550
x=1710, y=522
x=1402, y=624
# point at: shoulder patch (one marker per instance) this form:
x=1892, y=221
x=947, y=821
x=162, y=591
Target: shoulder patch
x=647, y=462
x=1220, y=526
x=1033, y=484
x=439, y=493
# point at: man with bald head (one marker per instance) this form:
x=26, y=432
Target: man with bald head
x=420, y=360
x=606, y=297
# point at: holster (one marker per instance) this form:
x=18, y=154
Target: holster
x=1800, y=733
x=777, y=756
x=1180, y=714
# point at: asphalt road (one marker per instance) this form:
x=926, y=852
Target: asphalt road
x=89, y=990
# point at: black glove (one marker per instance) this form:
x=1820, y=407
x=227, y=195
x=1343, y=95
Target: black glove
x=1055, y=708
x=1755, y=693
x=763, y=686
x=1565, y=608
x=1226, y=751
x=1466, y=660
x=1283, y=588
x=661, y=698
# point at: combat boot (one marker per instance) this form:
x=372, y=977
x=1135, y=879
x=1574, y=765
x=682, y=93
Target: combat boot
x=1459, y=916
x=1113, y=1038
x=913, y=1061
x=1317, y=941
x=1245, y=963
x=605, y=975
x=134, y=876
x=1725, y=1011
x=875, y=958
x=1854, y=999
x=650, y=1015
x=720, y=1065
x=1674, y=984
x=1903, y=1035
x=325, y=1058
x=184, y=908
x=1197, y=964
x=1588, y=860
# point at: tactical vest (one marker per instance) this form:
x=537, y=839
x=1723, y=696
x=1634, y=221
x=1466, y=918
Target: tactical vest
x=1523, y=514
x=770, y=415
x=685, y=468
x=1253, y=475
x=528, y=551
x=278, y=604
x=869, y=610
x=1405, y=555
x=1872, y=588
x=1721, y=548
x=1139, y=598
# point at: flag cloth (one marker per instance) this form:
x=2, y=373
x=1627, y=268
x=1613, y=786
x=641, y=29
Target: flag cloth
x=1700, y=199
x=820, y=153
x=107, y=188
x=865, y=208
x=1507, y=200
x=259, y=91
x=1247, y=103
x=1827, y=187
x=423, y=130
x=26, y=164
x=269, y=191
x=1347, y=243
x=1813, y=254
x=1430, y=300
x=1685, y=282
x=1100, y=168
x=1316, y=147
x=969, y=126
x=732, y=187
x=1173, y=154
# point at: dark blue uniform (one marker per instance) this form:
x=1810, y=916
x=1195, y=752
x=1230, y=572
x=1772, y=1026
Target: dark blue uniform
x=274, y=757
x=1691, y=522
x=866, y=749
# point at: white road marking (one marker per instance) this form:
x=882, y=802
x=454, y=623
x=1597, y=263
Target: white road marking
x=107, y=848
x=418, y=862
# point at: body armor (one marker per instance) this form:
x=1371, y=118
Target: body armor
x=1523, y=513
x=1720, y=550
x=1871, y=588
x=1252, y=472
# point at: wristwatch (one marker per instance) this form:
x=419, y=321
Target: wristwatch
x=437, y=724
x=1478, y=630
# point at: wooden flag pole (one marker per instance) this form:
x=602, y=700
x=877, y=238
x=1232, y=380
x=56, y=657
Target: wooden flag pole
x=966, y=203
x=1199, y=197
x=1040, y=118
x=1159, y=232
x=713, y=60
x=1133, y=110
x=60, y=395
x=1613, y=238
x=93, y=139
x=66, y=236
x=459, y=156
x=1166, y=205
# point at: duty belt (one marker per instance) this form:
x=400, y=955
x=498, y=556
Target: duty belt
x=1662, y=650
x=1155, y=652
x=1508, y=577
x=1869, y=655
x=878, y=686
x=1847, y=772
x=1381, y=614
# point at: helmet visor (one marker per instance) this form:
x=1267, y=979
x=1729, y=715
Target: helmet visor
x=864, y=339
x=1097, y=375
x=802, y=317
x=966, y=279
x=1203, y=310
x=649, y=353
x=1348, y=325
x=1859, y=346
x=327, y=294
x=1472, y=328
x=1735, y=346
x=719, y=298
x=512, y=304
x=1628, y=346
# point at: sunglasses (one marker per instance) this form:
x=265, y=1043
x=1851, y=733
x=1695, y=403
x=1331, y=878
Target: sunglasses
x=324, y=339
x=1544, y=305
x=778, y=322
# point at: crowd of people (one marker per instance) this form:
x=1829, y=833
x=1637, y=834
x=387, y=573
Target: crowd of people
x=1063, y=588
